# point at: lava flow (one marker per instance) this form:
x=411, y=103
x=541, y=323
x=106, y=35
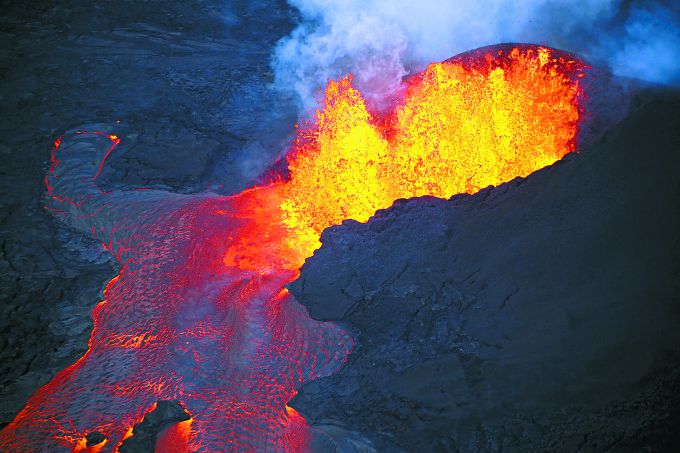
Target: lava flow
x=199, y=312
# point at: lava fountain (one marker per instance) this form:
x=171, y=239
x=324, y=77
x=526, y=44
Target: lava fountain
x=199, y=312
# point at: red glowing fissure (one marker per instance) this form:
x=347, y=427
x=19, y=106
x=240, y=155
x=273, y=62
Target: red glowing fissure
x=199, y=312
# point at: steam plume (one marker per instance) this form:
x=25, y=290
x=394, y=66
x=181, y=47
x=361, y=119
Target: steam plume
x=381, y=41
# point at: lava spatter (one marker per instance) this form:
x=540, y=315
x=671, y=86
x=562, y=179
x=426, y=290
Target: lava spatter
x=199, y=312
x=478, y=119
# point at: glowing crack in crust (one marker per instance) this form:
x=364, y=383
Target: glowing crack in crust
x=199, y=312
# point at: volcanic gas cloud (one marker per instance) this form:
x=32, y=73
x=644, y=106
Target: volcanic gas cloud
x=199, y=312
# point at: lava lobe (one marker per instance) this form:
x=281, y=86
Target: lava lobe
x=199, y=312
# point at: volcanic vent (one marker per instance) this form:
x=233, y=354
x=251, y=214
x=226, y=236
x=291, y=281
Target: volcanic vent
x=199, y=312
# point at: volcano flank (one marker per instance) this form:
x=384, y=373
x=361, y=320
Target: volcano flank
x=491, y=263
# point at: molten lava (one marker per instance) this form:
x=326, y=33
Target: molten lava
x=472, y=121
x=199, y=312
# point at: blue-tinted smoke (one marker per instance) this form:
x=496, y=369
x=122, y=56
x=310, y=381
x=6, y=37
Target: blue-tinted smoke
x=381, y=41
x=649, y=45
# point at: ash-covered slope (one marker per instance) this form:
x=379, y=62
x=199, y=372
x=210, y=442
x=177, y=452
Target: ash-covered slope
x=539, y=315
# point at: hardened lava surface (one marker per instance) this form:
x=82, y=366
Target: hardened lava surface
x=230, y=344
x=200, y=313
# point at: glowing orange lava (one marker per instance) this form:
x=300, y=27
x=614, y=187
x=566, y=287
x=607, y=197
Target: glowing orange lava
x=199, y=312
x=473, y=121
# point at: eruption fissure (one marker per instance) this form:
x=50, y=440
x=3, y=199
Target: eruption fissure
x=199, y=312
x=479, y=119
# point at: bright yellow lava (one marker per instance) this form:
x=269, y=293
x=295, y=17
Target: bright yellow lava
x=479, y=119
x=462, y=126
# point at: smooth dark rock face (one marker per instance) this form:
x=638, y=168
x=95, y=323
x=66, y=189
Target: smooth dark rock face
x=185, y=83
x=541, y=315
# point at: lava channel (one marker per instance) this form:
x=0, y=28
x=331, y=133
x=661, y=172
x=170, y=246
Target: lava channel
x=199, y=312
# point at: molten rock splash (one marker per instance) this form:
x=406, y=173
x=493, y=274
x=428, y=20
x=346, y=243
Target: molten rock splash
x=479, y=119
x=199, y=312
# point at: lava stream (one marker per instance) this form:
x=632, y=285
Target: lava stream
x=199, y=312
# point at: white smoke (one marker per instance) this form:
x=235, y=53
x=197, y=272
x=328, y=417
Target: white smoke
x=380, y=41
x=649, y=47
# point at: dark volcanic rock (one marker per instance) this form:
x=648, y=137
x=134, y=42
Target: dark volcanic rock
x=94, y=438
x=335, y=438
x=541, y=315
x=187, y=86
x=145, y=433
